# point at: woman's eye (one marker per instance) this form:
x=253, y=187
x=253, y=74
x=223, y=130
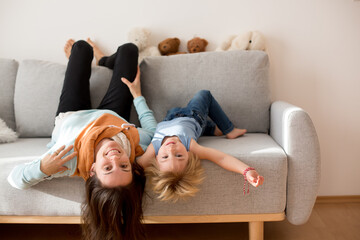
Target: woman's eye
x=123, y=165
x=178, y=155
x=107, y=168
x=165, y=157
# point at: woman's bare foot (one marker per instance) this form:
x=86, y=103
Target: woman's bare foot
x=97, y=52
x=236, y=132
x=68, y=46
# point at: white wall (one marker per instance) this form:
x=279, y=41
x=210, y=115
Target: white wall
x=314, y=48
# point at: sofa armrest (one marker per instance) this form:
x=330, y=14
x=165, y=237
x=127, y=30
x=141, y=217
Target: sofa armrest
x=292, y=128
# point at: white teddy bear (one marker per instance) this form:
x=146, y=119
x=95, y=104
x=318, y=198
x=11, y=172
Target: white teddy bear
x=141, y=38
x=246, y=41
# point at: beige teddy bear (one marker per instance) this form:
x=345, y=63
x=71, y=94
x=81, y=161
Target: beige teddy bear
x=246, y=41
x=141, y=38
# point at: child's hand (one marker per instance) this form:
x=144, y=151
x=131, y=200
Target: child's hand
x=135, y=86
x=254, y=178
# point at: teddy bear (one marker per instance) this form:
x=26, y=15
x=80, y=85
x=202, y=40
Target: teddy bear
x=252, y=40
x=197, y=45
x=141, y=38
x=169, y=46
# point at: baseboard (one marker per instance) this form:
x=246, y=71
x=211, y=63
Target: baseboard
x=338, y=199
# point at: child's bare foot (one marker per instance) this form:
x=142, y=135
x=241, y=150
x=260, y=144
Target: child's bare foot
x=97, y=52
x=217, y=131
x=68, y=46
x=236, y=132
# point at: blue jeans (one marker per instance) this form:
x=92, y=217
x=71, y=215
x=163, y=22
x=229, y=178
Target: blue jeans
x=200, y=107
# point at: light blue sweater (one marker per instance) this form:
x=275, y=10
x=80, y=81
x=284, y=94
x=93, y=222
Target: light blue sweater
x=26, y=175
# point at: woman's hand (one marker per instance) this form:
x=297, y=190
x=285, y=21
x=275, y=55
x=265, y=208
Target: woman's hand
x=53, y=163
x=254, y=178
x=135, y=86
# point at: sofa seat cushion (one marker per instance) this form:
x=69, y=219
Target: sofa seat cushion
x=220, y=193
x=58, y=197
x=24, y=147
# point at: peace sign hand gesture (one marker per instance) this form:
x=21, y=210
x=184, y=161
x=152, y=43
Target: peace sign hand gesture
x=53, y=163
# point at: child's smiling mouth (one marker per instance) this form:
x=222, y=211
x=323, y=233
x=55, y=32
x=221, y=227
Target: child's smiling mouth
x=172, y=142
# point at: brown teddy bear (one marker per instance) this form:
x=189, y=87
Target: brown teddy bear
x=196, y=45
x=169, y=46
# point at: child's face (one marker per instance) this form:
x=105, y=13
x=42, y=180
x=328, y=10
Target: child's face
x=172, y=155
x=112, y=165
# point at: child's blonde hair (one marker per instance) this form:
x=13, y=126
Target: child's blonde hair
x=176, y=185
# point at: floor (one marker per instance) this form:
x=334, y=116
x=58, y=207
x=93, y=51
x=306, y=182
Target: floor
x=330, y=221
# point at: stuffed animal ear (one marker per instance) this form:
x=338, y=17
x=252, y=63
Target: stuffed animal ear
x=241, y=42
x=146, y=32
x=206, y=42
x=225, y=45
x=257, y=41
x=188, y=44
x=177, y=40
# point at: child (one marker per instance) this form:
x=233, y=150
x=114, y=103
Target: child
x=176, y=169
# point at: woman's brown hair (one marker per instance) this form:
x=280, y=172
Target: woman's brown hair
x=114, y=213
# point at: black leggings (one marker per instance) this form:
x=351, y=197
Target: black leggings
x=75, y=94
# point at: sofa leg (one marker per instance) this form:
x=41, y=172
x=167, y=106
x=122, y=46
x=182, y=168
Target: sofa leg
x=256, y=230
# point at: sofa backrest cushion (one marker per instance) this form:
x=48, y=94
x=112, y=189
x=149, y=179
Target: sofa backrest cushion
x=237, y=79
x=37, y=93
x=8, y=71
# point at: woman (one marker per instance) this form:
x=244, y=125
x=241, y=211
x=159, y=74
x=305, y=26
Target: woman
x=99, y=144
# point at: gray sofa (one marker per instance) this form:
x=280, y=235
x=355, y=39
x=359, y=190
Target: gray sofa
x=281, y=142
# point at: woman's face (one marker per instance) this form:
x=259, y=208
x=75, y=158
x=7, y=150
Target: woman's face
x=112, y=165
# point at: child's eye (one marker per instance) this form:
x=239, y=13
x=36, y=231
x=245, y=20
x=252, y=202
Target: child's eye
x=178, y=155
x=165, y=157
x=123, y=165
x=107, y=168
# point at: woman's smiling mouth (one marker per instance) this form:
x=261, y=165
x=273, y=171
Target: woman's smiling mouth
x=112, y=152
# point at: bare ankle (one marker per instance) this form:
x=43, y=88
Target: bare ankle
x=97, y=52
x=68, y=46
x=217, y=131
x=235, y=133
